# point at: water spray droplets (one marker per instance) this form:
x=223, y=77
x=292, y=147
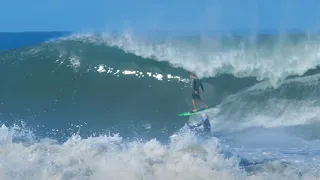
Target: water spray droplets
x=117, y=72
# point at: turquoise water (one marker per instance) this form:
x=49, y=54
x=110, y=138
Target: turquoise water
x=96, y=106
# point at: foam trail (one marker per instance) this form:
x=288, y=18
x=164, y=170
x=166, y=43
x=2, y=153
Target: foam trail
x=294, y=102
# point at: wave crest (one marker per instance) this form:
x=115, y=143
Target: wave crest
x=267, y=57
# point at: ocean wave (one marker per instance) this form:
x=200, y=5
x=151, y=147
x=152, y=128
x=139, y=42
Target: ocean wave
x=92, y=73
x=102, y=106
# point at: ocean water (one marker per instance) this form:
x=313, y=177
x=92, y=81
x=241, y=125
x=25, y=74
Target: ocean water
x=93, y=106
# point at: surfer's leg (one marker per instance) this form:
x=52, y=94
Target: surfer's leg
x=194, y=105
x=194, y=97
x=205, y=105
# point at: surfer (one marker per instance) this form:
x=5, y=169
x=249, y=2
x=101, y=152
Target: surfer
x=196, y=83
x=204, y=122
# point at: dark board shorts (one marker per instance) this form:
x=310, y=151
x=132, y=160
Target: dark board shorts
x=195, y=96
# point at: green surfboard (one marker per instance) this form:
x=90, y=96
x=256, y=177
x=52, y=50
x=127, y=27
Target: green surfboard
x=189, y=113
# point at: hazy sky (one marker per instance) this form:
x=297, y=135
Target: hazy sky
x=147, y=15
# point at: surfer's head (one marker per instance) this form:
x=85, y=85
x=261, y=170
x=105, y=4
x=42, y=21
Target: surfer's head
x=192, y=75
x=203, y=116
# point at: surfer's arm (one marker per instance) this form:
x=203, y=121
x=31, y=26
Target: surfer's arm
x=201, y=86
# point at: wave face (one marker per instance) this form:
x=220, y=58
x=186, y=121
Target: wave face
x=62, y=102
x=83, y=80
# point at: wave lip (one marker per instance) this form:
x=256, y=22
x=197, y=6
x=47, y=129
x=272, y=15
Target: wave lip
x=265, y=57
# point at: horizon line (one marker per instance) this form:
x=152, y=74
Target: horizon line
x=177, y=33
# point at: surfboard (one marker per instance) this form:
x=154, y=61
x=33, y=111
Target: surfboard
x=189, y=113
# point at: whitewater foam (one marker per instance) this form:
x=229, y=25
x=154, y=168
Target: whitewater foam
x=110, y=157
